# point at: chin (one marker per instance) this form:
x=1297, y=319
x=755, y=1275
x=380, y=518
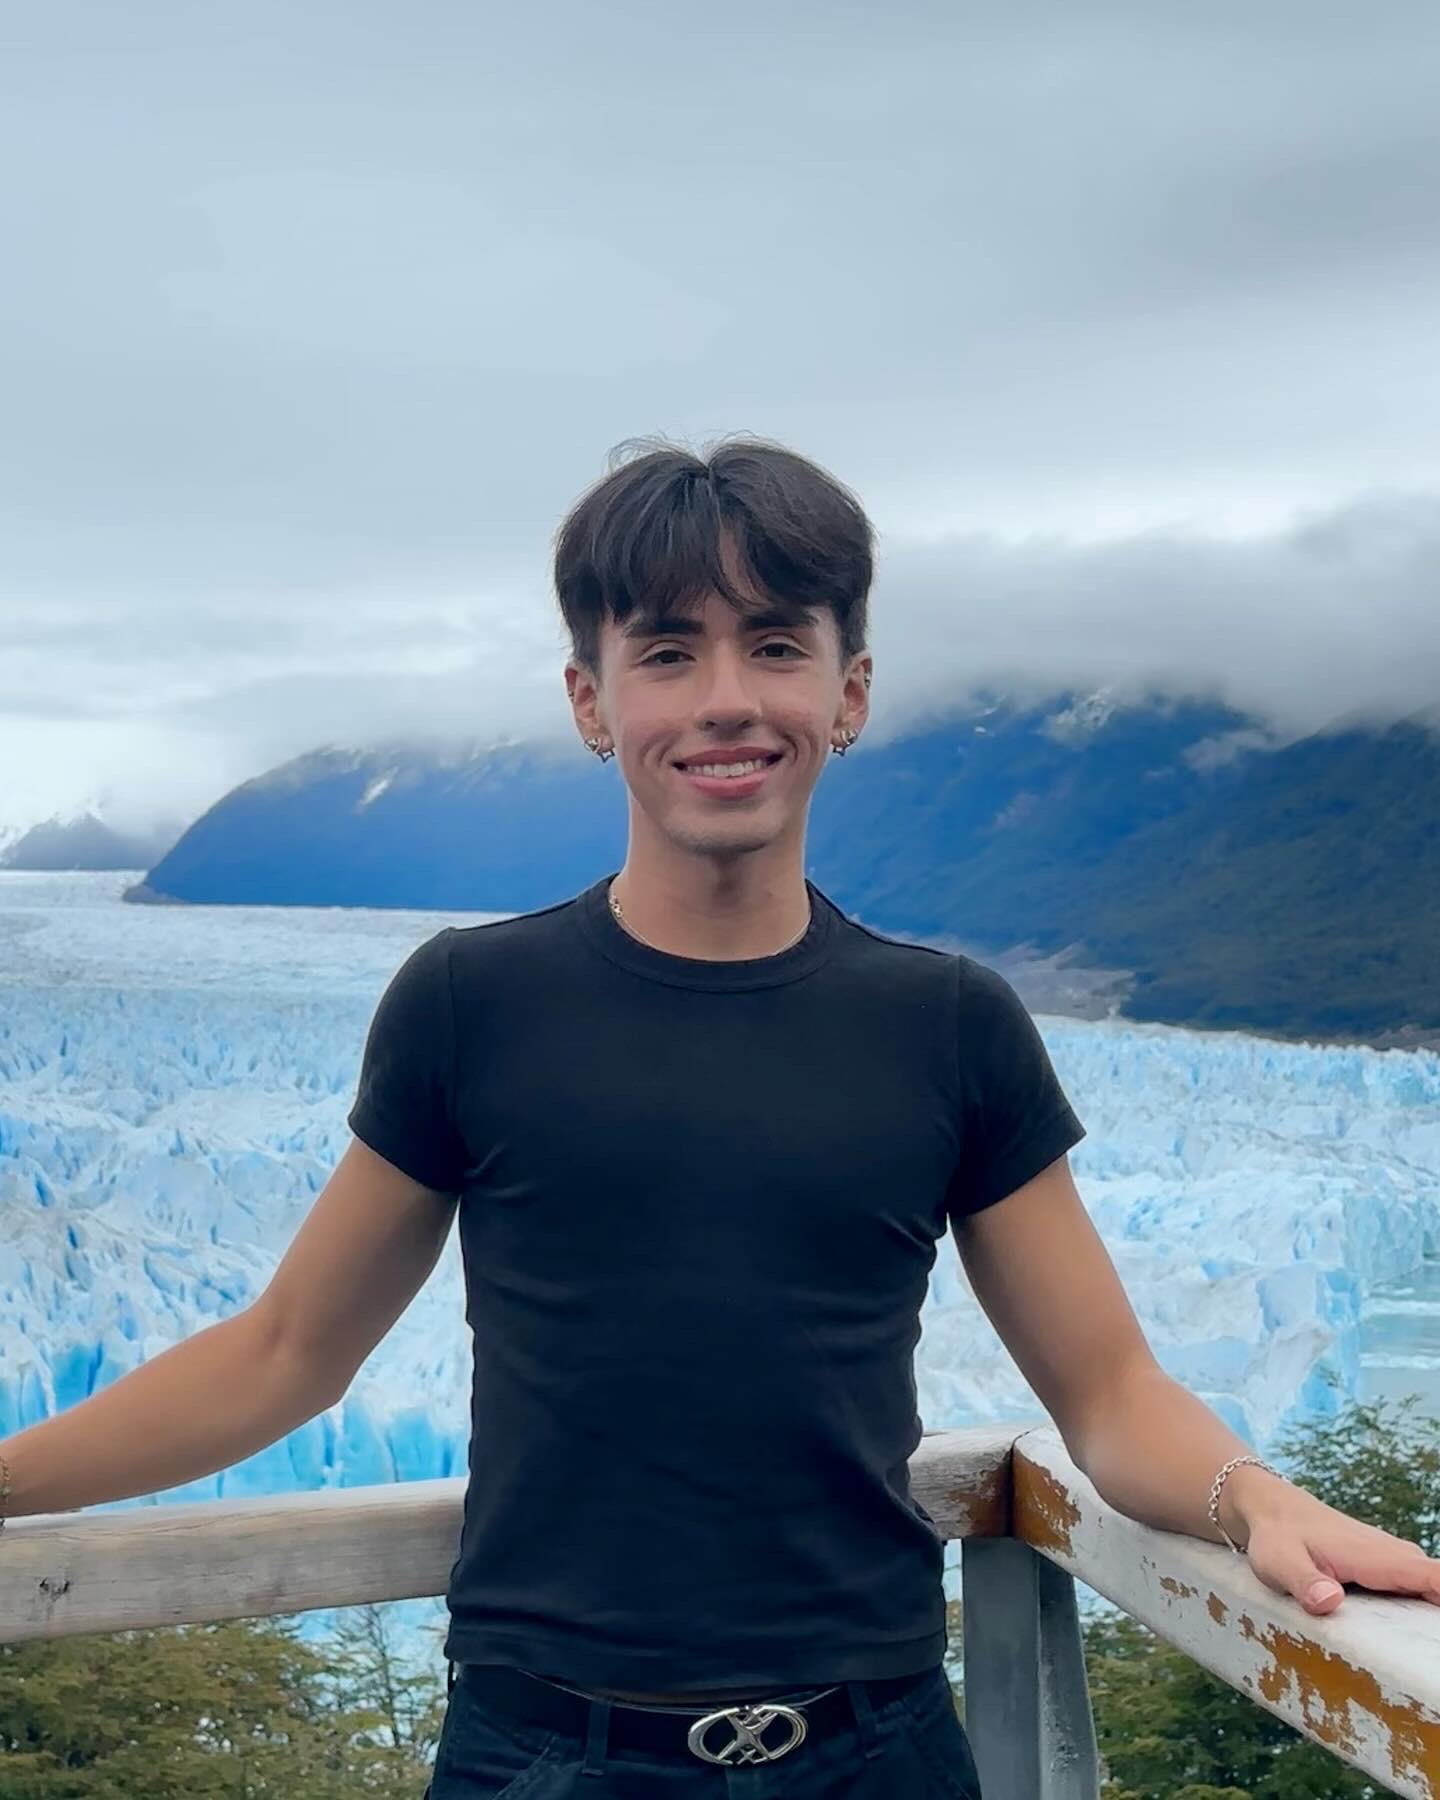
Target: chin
x=742, y=838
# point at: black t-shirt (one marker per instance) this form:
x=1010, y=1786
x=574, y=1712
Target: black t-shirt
x=699, y=1206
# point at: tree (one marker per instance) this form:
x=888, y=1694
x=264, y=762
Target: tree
x=379, y=1695
x=240, y=1710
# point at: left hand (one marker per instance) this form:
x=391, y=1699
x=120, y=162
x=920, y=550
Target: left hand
x=1306, y=1549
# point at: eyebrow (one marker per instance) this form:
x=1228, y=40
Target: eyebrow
x=685, y=625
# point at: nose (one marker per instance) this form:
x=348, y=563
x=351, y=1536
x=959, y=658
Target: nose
x=724, y=698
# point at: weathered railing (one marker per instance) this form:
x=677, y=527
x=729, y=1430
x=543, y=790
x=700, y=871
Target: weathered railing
x=1364, y=1682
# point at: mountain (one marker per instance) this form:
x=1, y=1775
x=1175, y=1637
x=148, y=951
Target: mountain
x=498, y=829
x=1282, y=888
x=1299, y=893
x=990, y=824
x=85, y=842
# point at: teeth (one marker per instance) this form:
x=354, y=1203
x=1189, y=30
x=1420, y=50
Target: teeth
x=724, y=770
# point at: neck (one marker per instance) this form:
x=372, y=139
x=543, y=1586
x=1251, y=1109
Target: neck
x=713, y=910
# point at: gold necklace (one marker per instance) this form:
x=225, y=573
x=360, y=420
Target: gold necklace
x=624, y=923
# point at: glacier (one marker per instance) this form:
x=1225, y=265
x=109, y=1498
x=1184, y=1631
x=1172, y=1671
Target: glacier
x=173, y=1090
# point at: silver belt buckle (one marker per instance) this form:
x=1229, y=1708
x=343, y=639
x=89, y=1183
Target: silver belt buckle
x=747, y=1725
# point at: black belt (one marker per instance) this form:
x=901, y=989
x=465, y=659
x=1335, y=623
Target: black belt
x=738, y=1731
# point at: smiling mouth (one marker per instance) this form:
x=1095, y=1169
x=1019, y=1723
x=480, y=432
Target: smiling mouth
x=720, y=770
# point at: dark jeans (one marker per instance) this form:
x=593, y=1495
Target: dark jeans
x=913, y=1748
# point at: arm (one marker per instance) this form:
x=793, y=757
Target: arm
x=199, y=1406
x=365, y=1248
x=1046, y=1282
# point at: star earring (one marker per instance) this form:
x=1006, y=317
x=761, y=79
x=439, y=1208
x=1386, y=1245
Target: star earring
x=604, y=753
x=847, y=736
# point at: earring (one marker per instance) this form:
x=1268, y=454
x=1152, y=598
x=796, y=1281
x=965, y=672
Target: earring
x=593, y=743
x=849, y=738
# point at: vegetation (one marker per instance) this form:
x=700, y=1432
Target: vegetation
x=241, y=1710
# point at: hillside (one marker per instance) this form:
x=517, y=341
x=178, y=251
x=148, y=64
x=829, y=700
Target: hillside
x=1284, y=890
x=85, y=842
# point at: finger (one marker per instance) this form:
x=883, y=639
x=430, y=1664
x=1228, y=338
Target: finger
x=1292, y=1570
x=1383, y=1564
x=1321, y=1595
x=1416, y=1575
x=1313, y=1569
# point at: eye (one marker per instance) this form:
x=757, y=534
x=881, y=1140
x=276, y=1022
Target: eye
x=787, y=649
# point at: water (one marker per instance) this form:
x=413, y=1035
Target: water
x=1400, y=1339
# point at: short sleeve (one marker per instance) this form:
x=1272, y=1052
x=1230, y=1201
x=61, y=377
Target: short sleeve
x=403, y=1105
x=1016, y=1117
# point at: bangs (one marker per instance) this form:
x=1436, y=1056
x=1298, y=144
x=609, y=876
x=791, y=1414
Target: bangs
x=681, y=547
x=763, y=528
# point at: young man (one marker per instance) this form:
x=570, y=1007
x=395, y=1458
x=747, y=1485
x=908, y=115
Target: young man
x=704, y=1134
x=708, y=1133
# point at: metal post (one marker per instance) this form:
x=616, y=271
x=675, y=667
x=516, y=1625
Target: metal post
x=1027, y=1705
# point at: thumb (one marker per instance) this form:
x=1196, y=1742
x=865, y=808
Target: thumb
x=1289, y=1567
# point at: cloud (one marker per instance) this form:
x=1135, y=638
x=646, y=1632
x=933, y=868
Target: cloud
x=315, y=322
x=1333, y=616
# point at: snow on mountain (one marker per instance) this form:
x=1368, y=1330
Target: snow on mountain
x=1082, y=717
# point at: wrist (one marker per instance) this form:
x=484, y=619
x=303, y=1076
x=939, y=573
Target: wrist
x=1251, y=1494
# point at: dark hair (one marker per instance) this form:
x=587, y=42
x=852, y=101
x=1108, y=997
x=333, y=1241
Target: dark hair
x=648, y=537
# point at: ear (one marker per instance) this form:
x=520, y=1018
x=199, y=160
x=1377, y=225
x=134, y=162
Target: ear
x=582, y=687
x=854, y=707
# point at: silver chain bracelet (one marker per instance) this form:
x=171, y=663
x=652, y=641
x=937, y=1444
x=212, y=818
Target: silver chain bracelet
x=1235, y=1462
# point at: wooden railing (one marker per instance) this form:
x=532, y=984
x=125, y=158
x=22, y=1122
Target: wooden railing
x=1365, y=1682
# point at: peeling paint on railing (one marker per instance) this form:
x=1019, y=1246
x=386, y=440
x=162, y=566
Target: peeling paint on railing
x=1364, y=1681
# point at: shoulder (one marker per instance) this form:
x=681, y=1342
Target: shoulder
x=984, y=992
x=422, y=974
x=512, y=944
x=896, y=958
x=974, y=989
x=454, y=952
x=991, y=1020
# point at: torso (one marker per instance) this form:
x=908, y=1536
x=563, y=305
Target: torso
x=695, y=1296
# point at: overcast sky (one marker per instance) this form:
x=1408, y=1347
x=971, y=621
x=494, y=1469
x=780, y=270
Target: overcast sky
x=314, y=319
